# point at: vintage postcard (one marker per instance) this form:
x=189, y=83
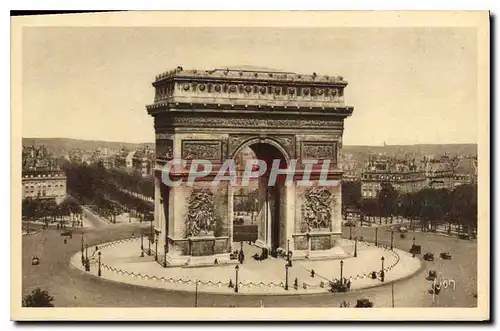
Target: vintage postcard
x=248, y=165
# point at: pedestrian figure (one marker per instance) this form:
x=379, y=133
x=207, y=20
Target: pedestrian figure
x=241, y=256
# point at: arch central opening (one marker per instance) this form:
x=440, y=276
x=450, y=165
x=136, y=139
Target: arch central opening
x=259, y=207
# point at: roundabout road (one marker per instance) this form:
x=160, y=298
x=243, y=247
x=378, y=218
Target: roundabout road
x=72, y=288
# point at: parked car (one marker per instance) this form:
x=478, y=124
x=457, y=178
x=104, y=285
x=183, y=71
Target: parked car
x=445, y=256
x=239, y=221
x=66, y=233
x=435, y=289
x=429, y=257
x=35, y=260
x=403, y=229
x=464, y=235
x=364, y=303
x=415, y=249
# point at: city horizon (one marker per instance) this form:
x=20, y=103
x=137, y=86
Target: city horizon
x=152, y=142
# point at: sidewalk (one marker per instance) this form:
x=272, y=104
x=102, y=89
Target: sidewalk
x=121, y=262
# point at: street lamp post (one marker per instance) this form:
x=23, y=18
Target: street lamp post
x=392, y=239
x=142, y=244
x=356, y=247
x=413, y=240
x=151, y=234
x=165, y=256
x=149, y=244
x=196, y=295
x=376, y=236
x=156, y=249
x=288, y=251
x=286, y=277
x=87, y=264
x=99, y=270
x=237, y=268
x=341, y=272
x=83, y=259
x=382, y=271
x=350, y=232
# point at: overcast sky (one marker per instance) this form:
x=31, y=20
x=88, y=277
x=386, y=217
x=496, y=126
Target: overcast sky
x=407, y=85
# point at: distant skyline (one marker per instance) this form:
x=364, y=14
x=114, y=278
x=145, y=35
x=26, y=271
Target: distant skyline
x=152, y=142
x=407, y=85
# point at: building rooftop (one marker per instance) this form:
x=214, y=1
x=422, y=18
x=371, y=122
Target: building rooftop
x=248, y=72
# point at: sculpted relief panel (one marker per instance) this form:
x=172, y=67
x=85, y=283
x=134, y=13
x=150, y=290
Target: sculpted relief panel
x=201, y=216
x=316, y=210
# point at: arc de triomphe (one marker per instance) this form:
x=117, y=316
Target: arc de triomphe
x=213, y=114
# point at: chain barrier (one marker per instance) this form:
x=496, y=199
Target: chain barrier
x=171, y=280
x=183, y=281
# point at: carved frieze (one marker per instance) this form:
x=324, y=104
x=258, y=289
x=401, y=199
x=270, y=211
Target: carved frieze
x=202, y=149
x=317, y=208
x=319, y=150
x=201, y=215
x=198, y=121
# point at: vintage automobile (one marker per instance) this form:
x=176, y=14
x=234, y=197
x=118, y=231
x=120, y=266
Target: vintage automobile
x=429, y=257
x=403, y=229
x=35, y=260
x=364, y=303
x=432, y=275
x=464, y=235
x=445, y=256
x=66, y=233
x=435, y=289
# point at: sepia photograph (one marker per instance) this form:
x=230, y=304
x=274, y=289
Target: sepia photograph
x=248, y=165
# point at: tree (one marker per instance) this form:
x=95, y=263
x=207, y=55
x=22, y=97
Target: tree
x=387, y=197
x=38, y=298
x=370, y=207
x=465, y=206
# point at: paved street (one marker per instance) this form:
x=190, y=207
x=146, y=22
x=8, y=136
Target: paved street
x=71, y=287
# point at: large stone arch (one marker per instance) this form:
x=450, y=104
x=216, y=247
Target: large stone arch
x=214, y=114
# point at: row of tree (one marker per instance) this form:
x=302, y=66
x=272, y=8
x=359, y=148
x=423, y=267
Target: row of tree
x=109, y=192
x=49, y=211
x=430, y=206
